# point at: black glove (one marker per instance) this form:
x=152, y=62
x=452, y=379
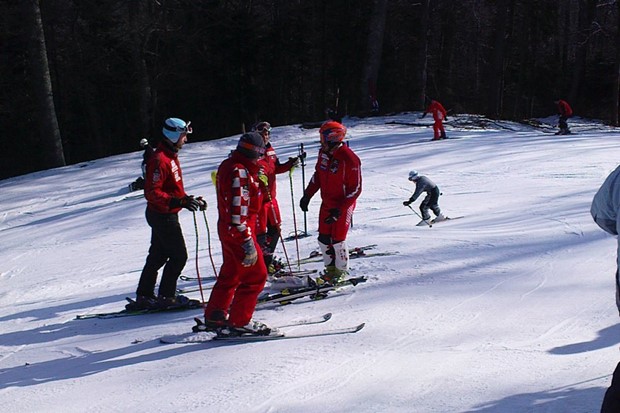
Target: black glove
x=202, y=203
x=334, y=214
x=303, y=203
x=407, y=203
x=251, y=256
x=187, y=202
x=293, y=161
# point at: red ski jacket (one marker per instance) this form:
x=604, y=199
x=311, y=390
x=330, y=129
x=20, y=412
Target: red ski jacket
x=164, y=180
x=270, y=165
x=437, y=110
x=338, y=176
x=564, y=108
x=239, y=198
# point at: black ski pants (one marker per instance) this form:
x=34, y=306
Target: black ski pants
x=167, y=248
x=611, y=402
x=430, y=202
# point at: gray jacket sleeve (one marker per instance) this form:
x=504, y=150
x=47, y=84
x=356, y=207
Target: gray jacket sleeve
x=606, y=207
x=423, y=184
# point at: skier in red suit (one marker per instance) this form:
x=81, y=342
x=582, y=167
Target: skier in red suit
x=565, y=112
x=338, y=175
x=439, y=115
x=243, y=272
x=269, y=220
x=165, y=196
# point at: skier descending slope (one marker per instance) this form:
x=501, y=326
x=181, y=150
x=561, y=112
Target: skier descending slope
x=424, y=184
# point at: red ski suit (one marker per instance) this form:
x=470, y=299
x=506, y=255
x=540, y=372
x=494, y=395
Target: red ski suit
x=239, y=200
x=439, y=114
x=339, y=178
x=564, y=109
x=270, y=212
x=164, y=180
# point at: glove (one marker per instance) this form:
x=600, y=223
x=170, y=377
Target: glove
x=187, y=202
x=407, y=203
x=250, y=253
x=293, y=162
x=334, y=214
x=202, y=204
x=303, y=203
x=263, y=178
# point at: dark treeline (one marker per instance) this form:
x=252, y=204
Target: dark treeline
x=84, y=79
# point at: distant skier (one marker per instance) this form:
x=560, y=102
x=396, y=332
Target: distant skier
x=439, y=115
x=431, y=201
x=565, y=112
x=148, y=151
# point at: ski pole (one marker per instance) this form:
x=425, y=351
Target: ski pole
x=303, y=182
x=204, y=215
x=426, y=221
x=202, y=297
x=290, y=177
x=263, y=178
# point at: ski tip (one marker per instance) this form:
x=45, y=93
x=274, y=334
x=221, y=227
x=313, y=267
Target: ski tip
x=327, y=316
x=359, y=327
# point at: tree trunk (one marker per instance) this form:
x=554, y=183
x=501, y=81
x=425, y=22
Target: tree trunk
x=496, y=75
x=422, y=63
x=587, y=10
x=372, y=62
x=51, y=142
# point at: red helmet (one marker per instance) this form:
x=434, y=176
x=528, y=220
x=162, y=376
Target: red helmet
x=332, y=132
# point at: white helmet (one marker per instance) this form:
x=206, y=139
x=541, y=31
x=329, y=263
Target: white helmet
x=413, y=175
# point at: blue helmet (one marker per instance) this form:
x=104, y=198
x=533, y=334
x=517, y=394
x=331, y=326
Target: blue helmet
x=413, y=175
x=174, y=127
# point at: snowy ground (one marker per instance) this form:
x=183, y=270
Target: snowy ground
x=509, y=309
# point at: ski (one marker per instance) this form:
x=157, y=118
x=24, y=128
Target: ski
x=315, y=255
x=276, y=275
x=206, y=279
x=193, y=337
x=447, y=219
x=128, y=313
x=193, y=289
x=352, y=255
x=205, y=337
x=315, y=292
x=284, y=336
x=294, y=273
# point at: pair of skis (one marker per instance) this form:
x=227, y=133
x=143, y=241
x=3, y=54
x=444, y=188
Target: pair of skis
x=279, y=274
x=283, y=297
x=194, y=304
x=278, y=333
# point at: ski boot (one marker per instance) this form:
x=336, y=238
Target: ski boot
x=253, y=328
x=331, y=275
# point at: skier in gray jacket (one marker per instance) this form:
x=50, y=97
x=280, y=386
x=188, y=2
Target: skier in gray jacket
x=604, y=210
x=431, y=201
